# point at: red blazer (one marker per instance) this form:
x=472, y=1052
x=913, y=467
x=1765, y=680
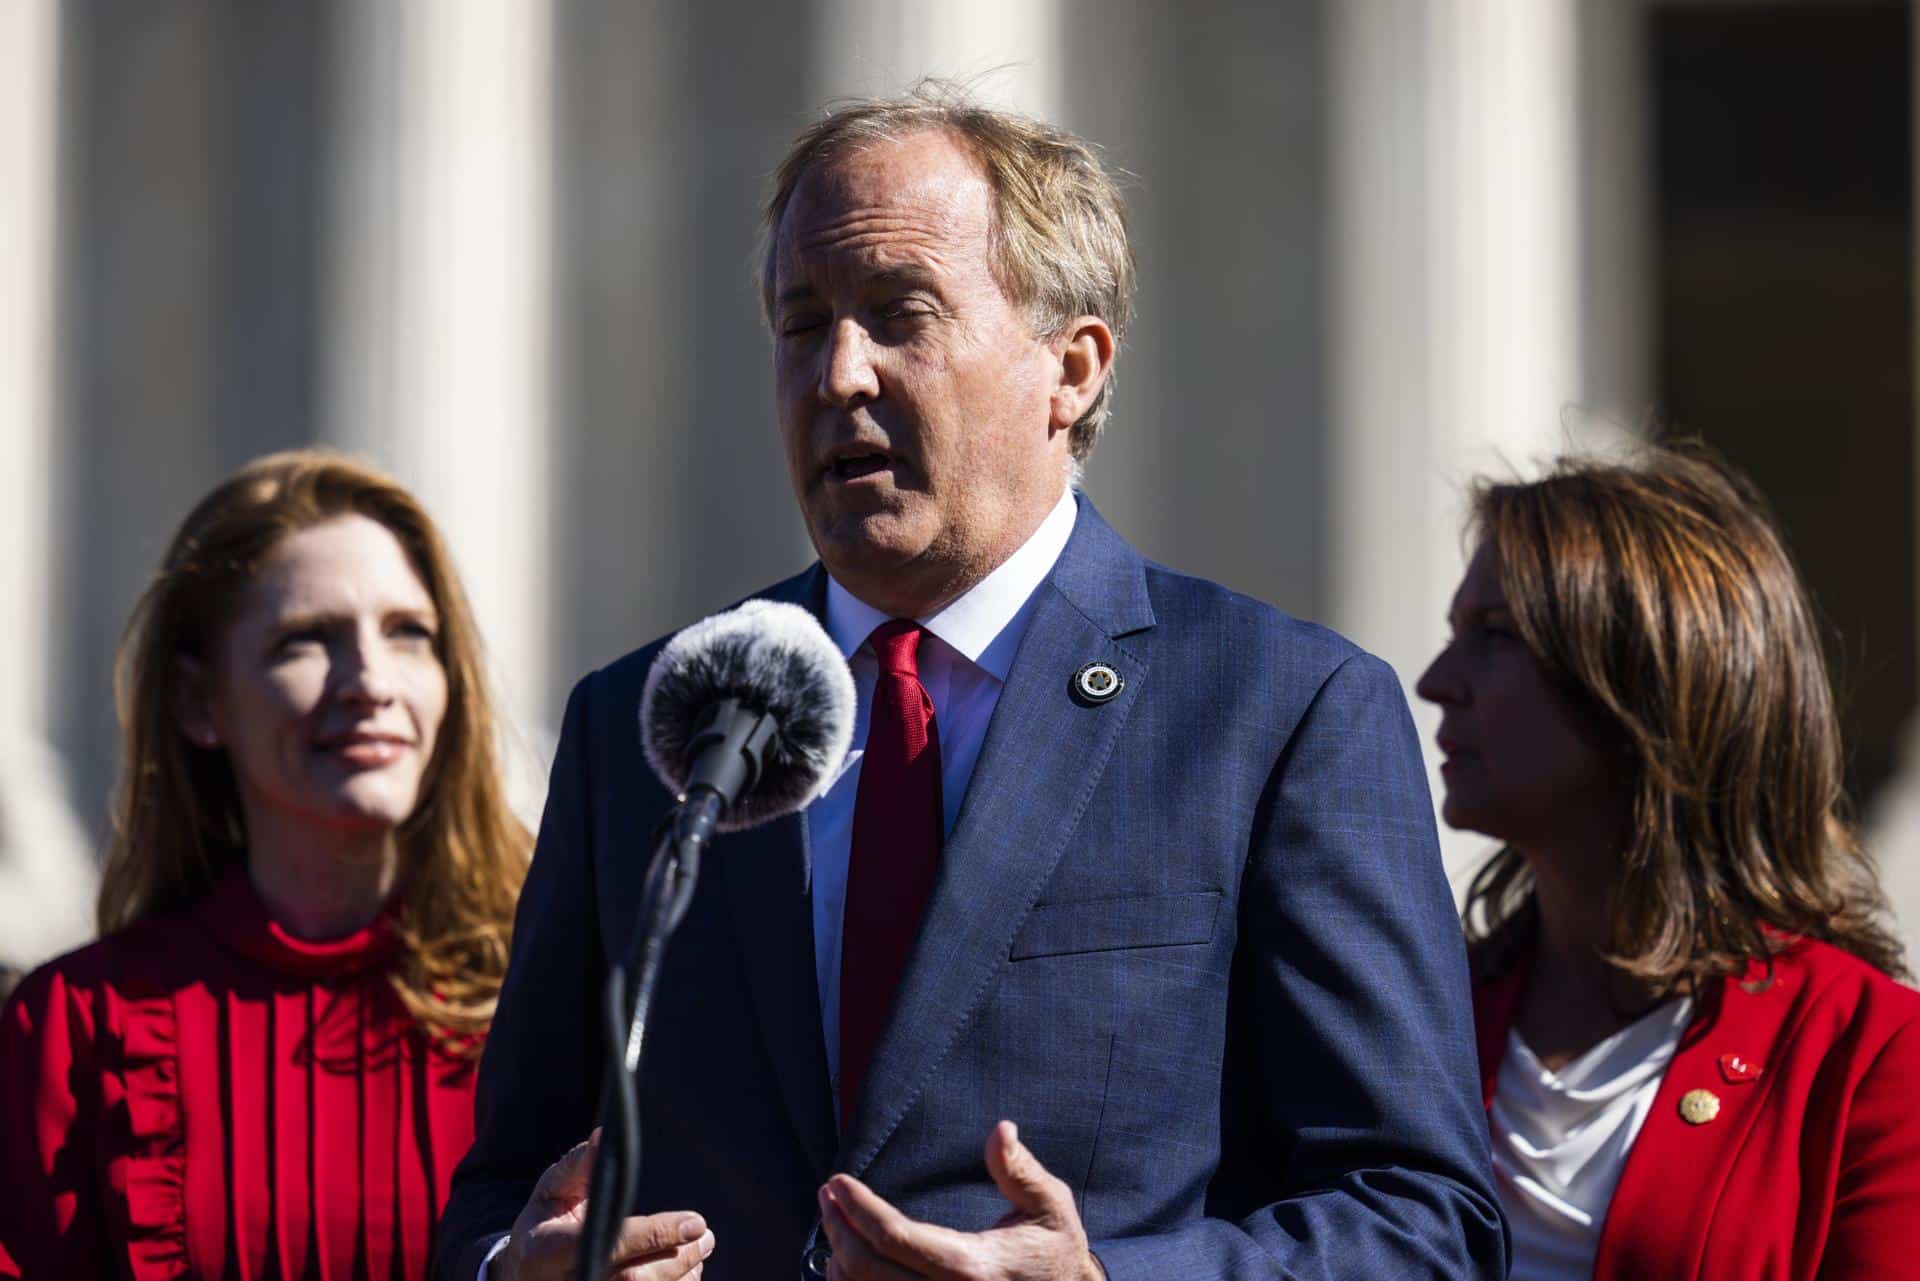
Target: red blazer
x=1811, y=1168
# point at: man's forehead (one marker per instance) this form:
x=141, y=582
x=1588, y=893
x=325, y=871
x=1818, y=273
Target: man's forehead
x=924, y=186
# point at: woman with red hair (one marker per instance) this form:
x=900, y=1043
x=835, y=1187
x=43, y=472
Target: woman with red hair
x=264, y=1068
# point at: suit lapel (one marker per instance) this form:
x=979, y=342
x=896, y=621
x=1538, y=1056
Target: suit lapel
x=1039, y=766
x=767, y=881
x=1657, y=1223
x=766, y=874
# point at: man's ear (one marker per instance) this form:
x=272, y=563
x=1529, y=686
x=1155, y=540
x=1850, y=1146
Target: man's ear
x=1084, y=352
x=193, y=702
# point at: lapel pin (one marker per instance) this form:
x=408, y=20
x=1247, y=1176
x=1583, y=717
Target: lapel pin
x=1739, y=1070
x=1697, y=1107
x=1096, y=683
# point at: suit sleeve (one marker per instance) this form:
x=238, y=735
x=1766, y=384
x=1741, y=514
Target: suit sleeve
x=540, y=1074
x=1369, y=1151
x=1877, y=1197
x=51, y=1216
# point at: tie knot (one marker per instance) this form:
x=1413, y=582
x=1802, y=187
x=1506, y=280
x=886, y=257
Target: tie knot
x=896, y=645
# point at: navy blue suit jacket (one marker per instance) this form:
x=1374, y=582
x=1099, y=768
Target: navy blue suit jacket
x=1196, y=941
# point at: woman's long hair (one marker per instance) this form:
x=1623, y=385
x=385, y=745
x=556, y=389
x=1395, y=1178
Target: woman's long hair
x=1658, y=591
x=176, y=810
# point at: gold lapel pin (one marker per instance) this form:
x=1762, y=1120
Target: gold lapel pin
x=1697, y=1107
x=1097, y=683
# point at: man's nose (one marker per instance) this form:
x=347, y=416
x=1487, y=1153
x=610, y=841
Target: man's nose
x=847, y=376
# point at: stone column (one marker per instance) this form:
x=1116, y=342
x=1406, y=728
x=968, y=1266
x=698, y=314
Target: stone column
x=1454, y=317
x=626, y=250
x=1892, y=836
x=46, y=876
x=1614, y=215
x=671, y=492
x=436, y=310
x=1006, y=51
x=29, y=60
x=1215, y=459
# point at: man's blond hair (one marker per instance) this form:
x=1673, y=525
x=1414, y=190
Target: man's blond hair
x=1059, y=229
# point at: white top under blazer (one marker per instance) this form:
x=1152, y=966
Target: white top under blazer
x=1560, y=1139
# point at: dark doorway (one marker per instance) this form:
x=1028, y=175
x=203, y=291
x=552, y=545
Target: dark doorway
x=1784, y=310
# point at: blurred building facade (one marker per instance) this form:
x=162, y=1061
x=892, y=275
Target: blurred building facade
x=504, y=247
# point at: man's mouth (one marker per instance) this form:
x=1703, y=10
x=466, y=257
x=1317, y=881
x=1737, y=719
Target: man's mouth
x=854, y=466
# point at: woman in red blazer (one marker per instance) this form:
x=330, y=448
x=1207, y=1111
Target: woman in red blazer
x=1694, y=1059
x=265, y=1068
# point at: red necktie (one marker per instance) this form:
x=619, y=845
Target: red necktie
x=896, y=850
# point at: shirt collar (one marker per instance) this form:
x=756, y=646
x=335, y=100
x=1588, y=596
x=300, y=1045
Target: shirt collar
x=980, y=624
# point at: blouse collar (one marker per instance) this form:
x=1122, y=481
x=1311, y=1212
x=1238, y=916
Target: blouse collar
x=239, y=920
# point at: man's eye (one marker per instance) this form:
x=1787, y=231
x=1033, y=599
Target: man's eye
x=797, y=326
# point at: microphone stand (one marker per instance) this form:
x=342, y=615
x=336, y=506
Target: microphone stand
x=727, y=752
x=672, y=874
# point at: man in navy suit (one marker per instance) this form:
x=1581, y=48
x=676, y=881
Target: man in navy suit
x=1120, y=947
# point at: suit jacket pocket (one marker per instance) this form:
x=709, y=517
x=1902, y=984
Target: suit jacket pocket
x=1107, y=925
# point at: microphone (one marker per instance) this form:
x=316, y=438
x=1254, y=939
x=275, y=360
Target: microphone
x=752, y=708
x=744, y=717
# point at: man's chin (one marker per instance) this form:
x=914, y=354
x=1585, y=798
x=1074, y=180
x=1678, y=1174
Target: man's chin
x=871, y=542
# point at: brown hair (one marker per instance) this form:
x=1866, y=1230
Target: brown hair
x=1059, y=234
x=176, y=813
x=1658, y=590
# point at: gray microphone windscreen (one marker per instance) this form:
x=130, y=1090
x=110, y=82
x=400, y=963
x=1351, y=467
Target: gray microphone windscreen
x=773, y=657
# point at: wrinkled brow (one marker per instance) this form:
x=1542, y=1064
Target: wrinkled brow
x=902, y=277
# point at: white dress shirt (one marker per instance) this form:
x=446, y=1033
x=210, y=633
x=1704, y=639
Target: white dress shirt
x=1560, y=1139
x=963, y=665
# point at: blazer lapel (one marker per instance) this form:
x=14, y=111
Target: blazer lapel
x=1496, y=1003
x=767, y=881
x=1670, y=1185
x=1039, y=766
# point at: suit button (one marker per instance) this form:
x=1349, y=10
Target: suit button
x=816, y=1261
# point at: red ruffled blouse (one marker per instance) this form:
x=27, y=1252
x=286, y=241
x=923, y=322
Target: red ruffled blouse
x=203, y=1095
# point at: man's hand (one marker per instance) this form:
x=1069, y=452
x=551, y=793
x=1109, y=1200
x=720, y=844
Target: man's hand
x=546, y=1236
x=1038, y=1239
